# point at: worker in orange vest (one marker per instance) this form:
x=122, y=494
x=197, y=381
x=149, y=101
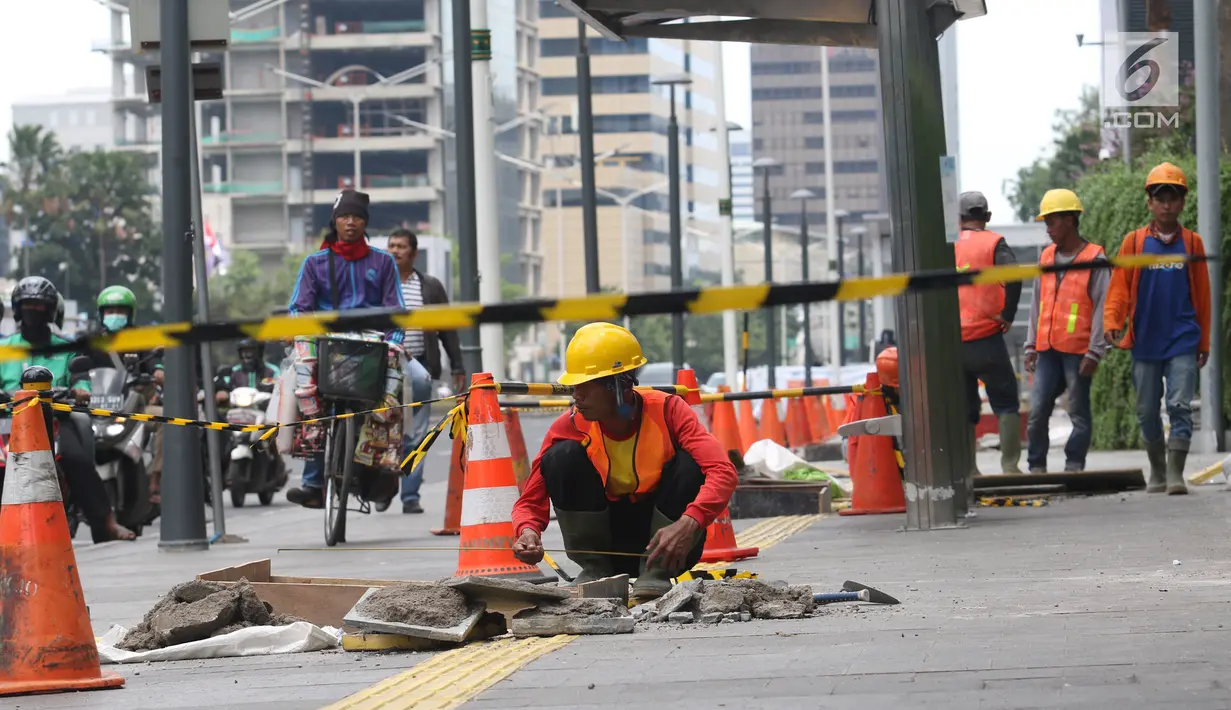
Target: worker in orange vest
x=1169, y=334
x=987, y=313
x=1064, y=344
x=627, y=471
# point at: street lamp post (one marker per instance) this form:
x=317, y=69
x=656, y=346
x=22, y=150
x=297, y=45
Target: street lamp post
x=803, y=196
x=730, y=354
x=859, y=231
x=765, y=165
x=839, y=326
x=677, y=257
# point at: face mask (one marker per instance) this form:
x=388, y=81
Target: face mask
x=34, y=321
x=115, y=321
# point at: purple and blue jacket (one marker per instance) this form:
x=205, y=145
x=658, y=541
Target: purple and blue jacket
x=370, y=282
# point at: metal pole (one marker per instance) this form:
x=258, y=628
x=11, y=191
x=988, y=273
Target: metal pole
x=832, y=228
x=183, y=505
x=729, y=346
x=585, y=134
x=803, y=246
x=863, y=305
x=1206, y=24
x=936, y=442
x=771, y=326
x=355, y=128
x=213, y=439
x=1126, y=146
x=677, y=266
x=463, y=119
x=841, y=327
x=487, y=224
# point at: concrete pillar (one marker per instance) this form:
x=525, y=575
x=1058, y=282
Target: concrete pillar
x=937, y=444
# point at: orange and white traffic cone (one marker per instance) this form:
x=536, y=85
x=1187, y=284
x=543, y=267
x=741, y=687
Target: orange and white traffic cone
x=725, y=428
x=517, y=448
x=720, y=545
x=876, y=478
x=491, y=491
x=688, y=378
x=46, y=641
x=747, y=425
x=797, y=432
x=771, y=423
x=457, y=484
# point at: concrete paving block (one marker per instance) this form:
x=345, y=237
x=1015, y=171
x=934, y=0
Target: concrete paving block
x=681, y=617
x=711, y=618
x=554, y=625
x=679, y=597
x=456, y=634
x=607, y=588
x=489, y=588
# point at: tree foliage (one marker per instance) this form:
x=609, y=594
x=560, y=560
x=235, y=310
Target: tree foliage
x=87, y=216
x=1074, y=150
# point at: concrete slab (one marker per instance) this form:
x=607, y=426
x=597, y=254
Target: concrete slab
x=456, y=634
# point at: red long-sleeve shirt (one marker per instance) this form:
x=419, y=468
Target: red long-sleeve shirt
x=533, y=510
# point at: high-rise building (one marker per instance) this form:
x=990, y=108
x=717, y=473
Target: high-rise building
x=630, y=128
x=323, y=95
x=743, y=195
x=80, y=119
x=788, y=124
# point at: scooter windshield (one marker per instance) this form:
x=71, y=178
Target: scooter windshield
x=106, y=380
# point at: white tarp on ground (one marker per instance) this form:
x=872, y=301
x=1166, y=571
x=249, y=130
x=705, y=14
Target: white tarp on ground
x=299, y=637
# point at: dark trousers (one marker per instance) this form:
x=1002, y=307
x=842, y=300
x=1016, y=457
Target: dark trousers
x=574, y=485
x=987, y=359
x=1055, y=372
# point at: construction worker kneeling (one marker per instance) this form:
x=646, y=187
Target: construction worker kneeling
x=627, y=471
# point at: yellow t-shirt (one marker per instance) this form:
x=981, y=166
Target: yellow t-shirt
x=622, y=476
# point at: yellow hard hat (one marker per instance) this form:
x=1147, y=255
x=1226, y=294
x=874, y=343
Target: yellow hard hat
x=1058, y=201
x=1167, y=174
x=600, y=350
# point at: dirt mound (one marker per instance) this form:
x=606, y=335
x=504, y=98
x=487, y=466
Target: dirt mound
x=199, y=610
x=417, y=604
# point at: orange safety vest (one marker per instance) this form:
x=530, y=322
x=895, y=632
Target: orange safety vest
x=653, y=449
x=979, y=305
x=1065, y=308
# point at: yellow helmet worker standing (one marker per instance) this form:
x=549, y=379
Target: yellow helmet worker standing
x=627, y=471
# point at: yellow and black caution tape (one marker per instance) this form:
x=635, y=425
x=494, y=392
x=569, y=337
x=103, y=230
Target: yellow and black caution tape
x=681, y=390
x=715, y=574
x=597, y=307
x=1010, y=502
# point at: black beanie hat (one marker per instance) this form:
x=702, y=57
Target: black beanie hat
x=351, y=202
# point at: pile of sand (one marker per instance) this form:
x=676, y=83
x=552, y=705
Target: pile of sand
x=198, y=610
x=417, y=604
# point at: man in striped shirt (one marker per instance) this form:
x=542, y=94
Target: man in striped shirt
x=423, y=348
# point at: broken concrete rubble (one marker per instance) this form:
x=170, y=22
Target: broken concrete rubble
x=729, y=600
x=198, y=610
x=575, y=616
x=417, y=604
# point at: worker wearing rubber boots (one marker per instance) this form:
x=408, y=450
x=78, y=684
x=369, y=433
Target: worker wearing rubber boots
x=627, y=471
x=987, y=312
x=1064, y=343
x=1162, y=314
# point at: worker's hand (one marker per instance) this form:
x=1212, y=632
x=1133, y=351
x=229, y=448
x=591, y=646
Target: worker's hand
x=529, y=547
x=1002, y=323
x=1031, y=359
x=459, y=382
x=222, y=397
x=670, y=546
x=81, y=396
x=1088, y=367
x=1112, y=337
x=159, y=377
x=1202, y=358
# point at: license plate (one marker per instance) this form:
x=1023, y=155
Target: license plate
x=243, y=417
x=110, y=402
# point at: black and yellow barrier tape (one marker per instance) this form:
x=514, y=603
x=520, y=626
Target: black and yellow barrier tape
x=715, y=574
x=1009, y=502
x=706, y=397
x=597, y=307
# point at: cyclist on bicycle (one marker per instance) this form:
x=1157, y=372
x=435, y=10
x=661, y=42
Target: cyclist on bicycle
x=346, y=274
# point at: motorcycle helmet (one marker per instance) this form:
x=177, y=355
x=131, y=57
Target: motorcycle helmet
x=250, y=351
x=37, y=289
x=60, y=312
x=121, y=306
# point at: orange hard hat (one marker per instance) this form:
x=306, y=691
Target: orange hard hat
x=1167, y=174
x=887, y=367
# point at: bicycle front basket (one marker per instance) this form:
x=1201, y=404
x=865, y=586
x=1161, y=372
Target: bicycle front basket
x=351, y=370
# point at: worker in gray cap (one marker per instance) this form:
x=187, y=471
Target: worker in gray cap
x=987, y=312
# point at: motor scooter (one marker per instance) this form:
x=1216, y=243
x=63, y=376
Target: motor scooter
x=122, y=448
x=253, y=465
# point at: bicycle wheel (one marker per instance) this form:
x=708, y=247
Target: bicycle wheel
x=339, y=469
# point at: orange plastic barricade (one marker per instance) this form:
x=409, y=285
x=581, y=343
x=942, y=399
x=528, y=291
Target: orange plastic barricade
x=46, y=641
x=491, y=491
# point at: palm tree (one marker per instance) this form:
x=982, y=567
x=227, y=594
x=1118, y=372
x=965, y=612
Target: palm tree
x=34, y=158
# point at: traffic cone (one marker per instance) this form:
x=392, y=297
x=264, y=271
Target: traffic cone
x=688, y=379
x=457, y=483
x=818, y=421
x=771, y=425
x=517, y=448
x=46, y=642
x=720, y=545
x=875, y=476
x=797, y=423
x=725, y=428
x=747, y=425
x=491, y=491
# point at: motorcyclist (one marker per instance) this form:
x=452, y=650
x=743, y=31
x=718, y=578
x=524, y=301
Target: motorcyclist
x=252, y=370
x=34, y=302
x=346, y=274
x=117, y=309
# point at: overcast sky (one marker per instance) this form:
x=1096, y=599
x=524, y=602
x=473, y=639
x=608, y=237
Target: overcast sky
x=1018, y=65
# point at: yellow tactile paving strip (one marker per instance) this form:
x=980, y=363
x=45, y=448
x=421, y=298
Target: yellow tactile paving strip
x=450, y=679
